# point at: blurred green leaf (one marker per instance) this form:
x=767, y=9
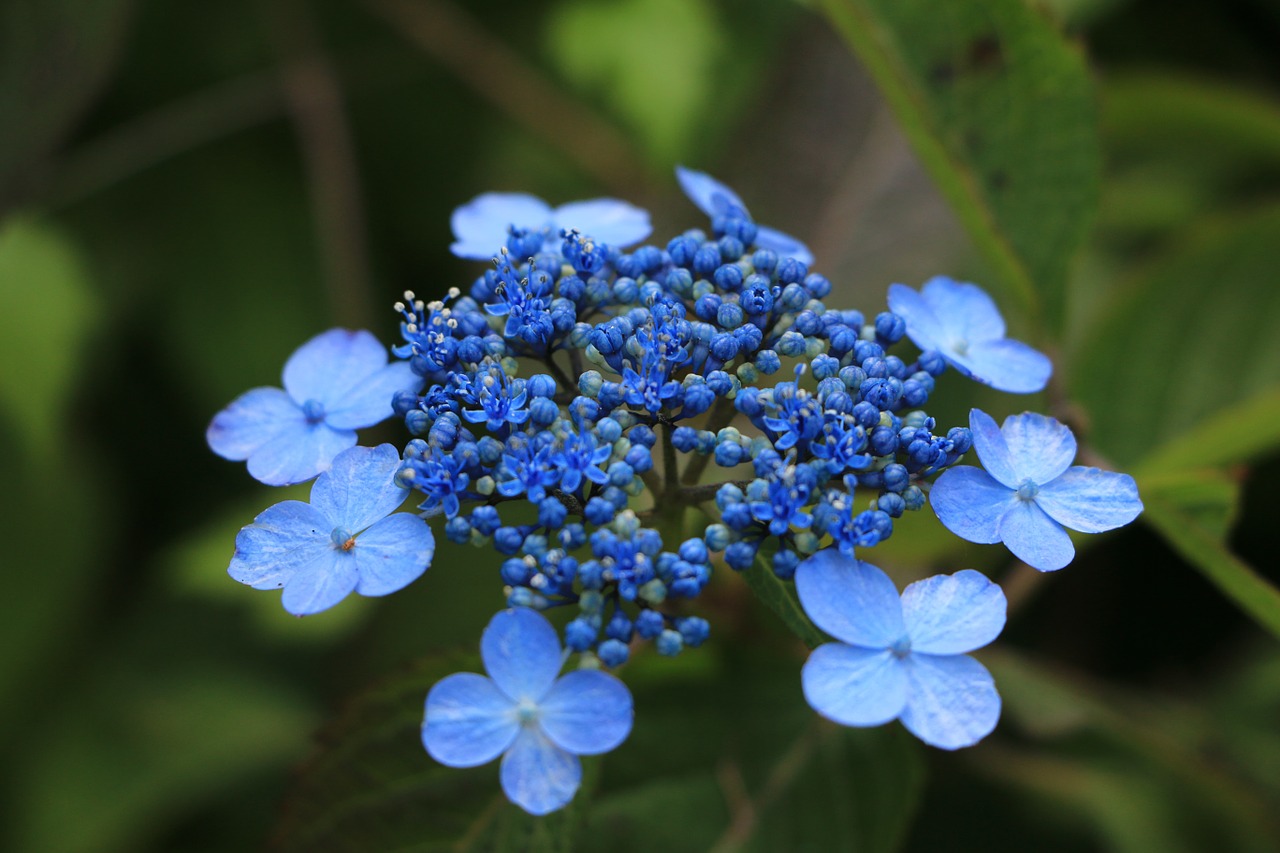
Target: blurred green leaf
x=53, y=59
x=652, y=61
x=1236, y=433
x=1193, y=336
x=1209, y=495
x=1001, y=110
x=47, y=314
x=1233, y=577
x=780, y=597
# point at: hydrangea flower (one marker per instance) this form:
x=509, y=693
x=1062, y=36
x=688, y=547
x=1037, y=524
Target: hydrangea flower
x=334, y=384
x=901, y=658
x=488, y=221
x=538, y=723
x=960, y=321
x=717, y=200
x=1030, y=492
x=347, y=538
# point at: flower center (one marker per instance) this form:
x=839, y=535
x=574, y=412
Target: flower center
x=526, y=712
x=961, y=346
x=342, y=538
x=1027, y=490
x=901, y=647
x=313, y=411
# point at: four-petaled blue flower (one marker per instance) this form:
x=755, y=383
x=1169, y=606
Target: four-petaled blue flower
x=538, y=723
x=960, y=321
x=348, y=537
x=901, y=658
x=717, y=200
x=1030, y=491
x=334, y=384
x=483, y=224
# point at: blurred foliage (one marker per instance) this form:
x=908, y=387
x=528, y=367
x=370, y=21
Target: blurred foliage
x=186, y=195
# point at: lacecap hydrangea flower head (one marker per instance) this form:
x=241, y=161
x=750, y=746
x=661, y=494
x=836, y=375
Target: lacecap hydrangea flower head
x=570, y=409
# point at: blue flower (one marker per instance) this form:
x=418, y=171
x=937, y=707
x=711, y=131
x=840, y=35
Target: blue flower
x=334, y=384
x=347, y=538
x=538, y=723
x=960, y=321
x=1028, y=493
x=716, y=200
x=482, y=225
x=901, y=658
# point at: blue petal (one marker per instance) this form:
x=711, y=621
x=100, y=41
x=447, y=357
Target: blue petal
x=539, y=776
x=1006, y=365
x=953, y=614
x=369, y=402
x=320, y=584
x=605, y=220
x=970, y=503
x=281, y=540
x=1040, y=448
x=853, y=686
x=923, y=326
x=393, y=553
x=333, y=365
x=953, y=700
x=253, y=419
x=784, y=244
x=992, y=449
x=468, y=721
x=521, y=653
x=712, y=197
x=1091, y=500
x=359, y=488
x=852, y=601
x=1035, y=538
x=480, y=226
x=587, y=712
x=965, y=310
x=298, y=454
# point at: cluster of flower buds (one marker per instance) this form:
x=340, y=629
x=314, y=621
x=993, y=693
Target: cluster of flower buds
x=584, y=400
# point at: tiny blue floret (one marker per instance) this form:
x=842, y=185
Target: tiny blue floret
x=537, y=722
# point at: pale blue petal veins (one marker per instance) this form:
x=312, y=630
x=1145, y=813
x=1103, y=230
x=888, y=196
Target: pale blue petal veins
x=1091, y=500
x=784, y=245
x=953, y=700
x=923, y=326
x=605, y=220
x=480, y=226
x=970, y=503
x=281, y=540
x=332, y=364
x=1007, y=365
x=953, y=614
x=521, y=653
x=321, y=583
x=965, y=310
x=253, y=419
x=993, y=452
x=468, y=721
x=359, y=488
x=587, y=712
x=854, y=686
x=537, y=775
x=852, y=601
x=369, y=401
x=298, y=454
x=393, y=553
x=711, y=197
x=1035, y=538
x=1040, y=447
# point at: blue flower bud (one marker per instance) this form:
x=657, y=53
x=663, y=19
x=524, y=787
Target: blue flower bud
x=579, y=635
x=649, y=624
x=517, y=571
x=640, y=459
x=458, y=530
x=694, y=630
x=784, y=563
x=883, y=441
x=669, y=643
x=817, y=285
x=684, y=439
x=792, y=344
x=740, y=555
x=599, y=511
x=730, y=315
x=791, y=270
x=642, y=435
x=508, y=540
x=717, y=537
x=723, y=347
x=895, y=477
x=890, y=328
x=961, y=439
x=728, y=455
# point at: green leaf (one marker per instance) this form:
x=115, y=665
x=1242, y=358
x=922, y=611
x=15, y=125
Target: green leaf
x=1001, y=110
x=1209, y=495
x=1231, y=575
x=47, y=312
x=1236, y=433
x=372, y=786
x=1193, y=336
x=781, y=599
